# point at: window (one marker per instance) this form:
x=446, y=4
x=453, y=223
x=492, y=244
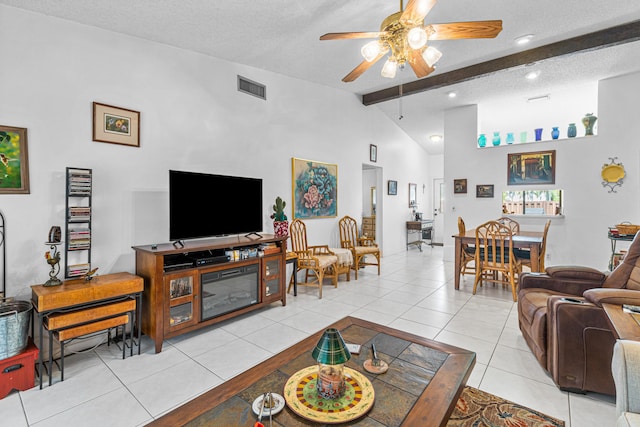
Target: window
x=532, y=202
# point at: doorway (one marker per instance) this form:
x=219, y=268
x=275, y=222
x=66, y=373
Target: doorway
x=372, y=197
x=438, y=209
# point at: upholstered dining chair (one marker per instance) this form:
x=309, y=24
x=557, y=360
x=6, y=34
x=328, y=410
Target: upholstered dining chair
x=364, y=249
x=468, y=252
x=524, y=255
x=494, y=254
x=513, y=225
x=317, y=261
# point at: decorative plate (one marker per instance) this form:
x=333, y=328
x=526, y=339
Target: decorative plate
x=277, y=407
x=613, y=172
x=302, y=398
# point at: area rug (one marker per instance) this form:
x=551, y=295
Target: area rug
x=477, y=408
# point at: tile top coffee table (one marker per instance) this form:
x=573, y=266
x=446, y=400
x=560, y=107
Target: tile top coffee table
x=421, y=387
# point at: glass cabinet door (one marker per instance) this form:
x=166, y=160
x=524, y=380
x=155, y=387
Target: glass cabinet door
x=272, y=278
x=182, y=309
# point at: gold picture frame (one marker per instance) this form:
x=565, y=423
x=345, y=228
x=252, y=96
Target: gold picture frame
x=14, y=160
x=116, y=125
x=314, y=189
x=533, y=168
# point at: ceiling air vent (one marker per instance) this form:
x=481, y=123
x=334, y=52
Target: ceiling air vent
x=252, y=88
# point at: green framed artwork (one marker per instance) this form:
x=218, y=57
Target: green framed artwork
x=14, y=161
x=314, y=189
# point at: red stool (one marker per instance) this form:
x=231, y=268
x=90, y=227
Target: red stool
x=17, y=372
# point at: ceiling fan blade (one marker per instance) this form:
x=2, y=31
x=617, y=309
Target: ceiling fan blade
x=466, y=30
x=361, y=68
x=353, y=35
x=416, y=10
x=419, y=65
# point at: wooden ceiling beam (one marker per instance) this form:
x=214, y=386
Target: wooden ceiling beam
x=608, y=37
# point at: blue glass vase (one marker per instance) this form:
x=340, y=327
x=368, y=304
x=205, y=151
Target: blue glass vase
x=538, y=134
x=496, y=139
x=482, y=140
x=555, y=133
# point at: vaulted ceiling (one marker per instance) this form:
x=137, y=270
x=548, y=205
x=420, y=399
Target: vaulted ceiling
x=283, y=36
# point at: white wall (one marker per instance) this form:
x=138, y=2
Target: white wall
x=580, y=237
x=192, y=118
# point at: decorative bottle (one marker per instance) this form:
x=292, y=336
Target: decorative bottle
x=538, y=132
x=588, y=121
x=510, y=138
x=555, y=133
x=496, y=139
x=572, y=131
x=482, y=140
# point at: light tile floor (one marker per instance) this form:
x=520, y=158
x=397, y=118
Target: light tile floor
x=414, y=293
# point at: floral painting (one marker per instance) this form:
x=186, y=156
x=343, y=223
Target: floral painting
x=315, y=189
x=14, y=163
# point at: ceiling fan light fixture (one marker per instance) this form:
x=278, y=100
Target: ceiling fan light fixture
x=370, y=50
x=417, y=37
x=389, y=68
x=431, y=55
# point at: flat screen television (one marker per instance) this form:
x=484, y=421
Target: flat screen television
x=207, y=205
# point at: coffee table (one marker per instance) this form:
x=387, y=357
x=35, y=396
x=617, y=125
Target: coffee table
x=421, y=387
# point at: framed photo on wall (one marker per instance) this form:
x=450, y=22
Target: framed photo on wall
x=373, y=153
x=392, y=188
x=459, y=186
x=537, y=167
x=484, y=191
x=116, y=125
x=14, y=161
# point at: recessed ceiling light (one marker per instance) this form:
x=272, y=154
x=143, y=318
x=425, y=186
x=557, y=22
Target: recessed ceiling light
x=532, y=75
x=452, y=94
x=435, y=138
x=522, y=40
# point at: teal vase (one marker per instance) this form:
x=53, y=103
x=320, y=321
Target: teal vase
x=482, y=140
x=555, y=133
x=572, y=131
x=588, y=121
x=496, y=139
x=509, y=139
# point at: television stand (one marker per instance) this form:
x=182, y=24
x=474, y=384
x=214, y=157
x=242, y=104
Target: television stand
x=259, y=236
x=178, y=296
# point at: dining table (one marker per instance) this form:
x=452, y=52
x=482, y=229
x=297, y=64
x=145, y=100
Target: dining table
x=531, y=240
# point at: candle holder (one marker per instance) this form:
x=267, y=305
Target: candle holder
x=331, y=353
x=53, y=259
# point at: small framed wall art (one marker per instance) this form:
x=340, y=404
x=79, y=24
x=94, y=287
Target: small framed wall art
x=116, y=125
x=14, y=162
x=484, y=191
x=392, y=188
x=460, y=186
x=373, y=153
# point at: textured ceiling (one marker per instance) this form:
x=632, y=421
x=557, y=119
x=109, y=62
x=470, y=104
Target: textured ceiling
x=283, y=37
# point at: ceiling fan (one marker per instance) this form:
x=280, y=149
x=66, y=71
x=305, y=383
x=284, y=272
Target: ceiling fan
x=406, y=35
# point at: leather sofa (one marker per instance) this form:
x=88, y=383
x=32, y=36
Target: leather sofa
x=561, y=318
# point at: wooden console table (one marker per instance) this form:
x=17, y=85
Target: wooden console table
x=419, y=227
x=78, y=303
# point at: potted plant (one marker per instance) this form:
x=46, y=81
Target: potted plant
x=280, y=223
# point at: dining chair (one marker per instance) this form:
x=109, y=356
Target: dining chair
x=524, y=255
x=468, y=252
x=317, y=260
x=364, y=249
x=494, y=258
x=513, y=225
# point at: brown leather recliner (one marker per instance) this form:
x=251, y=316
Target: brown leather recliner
x=561, y=318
